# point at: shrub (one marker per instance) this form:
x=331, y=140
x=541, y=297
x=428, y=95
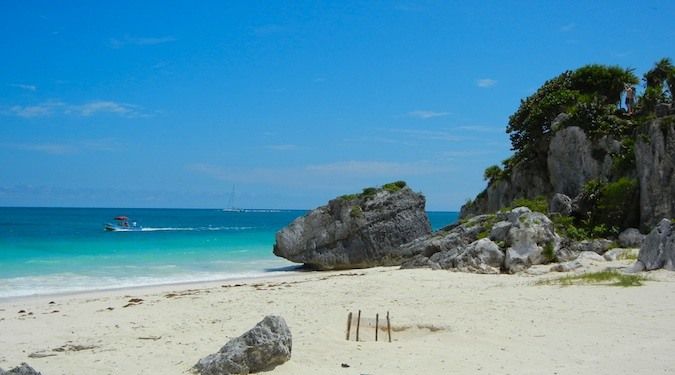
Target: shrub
x=394, y=186
x=614, y=200
x=549, y=252
x=356, y=211
x=624, y=160
x=609, y=206
x=369, y=192
x=538, y=204
x=349, y=197
x=492, y=173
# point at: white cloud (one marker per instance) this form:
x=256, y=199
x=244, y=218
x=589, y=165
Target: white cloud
x=485, y=82
x=423, y=114
x=101, y=106
x=39, y=110
x=51, y=107
x=567, y=28
x=140, y=41
x=24, y=86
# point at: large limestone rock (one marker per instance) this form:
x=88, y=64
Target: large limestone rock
x=560, y=204
x=531, y=240
x=439, y=249
x=658, y=248
x=631, y=237
x=23, y=369
x=264, y=347
x=356, y=232
x=655, y=163
x=482, y=256
x=573, y=159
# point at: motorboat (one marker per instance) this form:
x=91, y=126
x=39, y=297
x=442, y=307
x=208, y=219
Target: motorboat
x=122, y=224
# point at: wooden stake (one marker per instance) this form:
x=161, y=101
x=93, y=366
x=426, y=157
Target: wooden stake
x=358, y=325
x=377, y=325
x=388, y=327
x=349, y=324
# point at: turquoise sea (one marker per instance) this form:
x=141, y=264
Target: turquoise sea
x=57, y=250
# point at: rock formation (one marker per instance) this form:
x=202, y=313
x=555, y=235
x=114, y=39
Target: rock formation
x=655, y=164
x=262, y=348
x=356, y=231
x=658, y=248
x=23, y=369
x=573, y=159
x=631, y=237
x=531, y=240
x=517, y=239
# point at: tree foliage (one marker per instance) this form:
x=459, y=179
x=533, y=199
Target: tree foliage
x=602, y=83
x=492, y=173
x=660, y=85
x=532, y=121
x=592, y=90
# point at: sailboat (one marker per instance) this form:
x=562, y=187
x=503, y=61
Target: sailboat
x=230, y=204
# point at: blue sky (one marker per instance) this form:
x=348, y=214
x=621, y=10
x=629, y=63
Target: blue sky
x=170, y=104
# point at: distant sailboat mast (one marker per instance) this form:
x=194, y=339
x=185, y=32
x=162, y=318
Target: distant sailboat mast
x=230, y=203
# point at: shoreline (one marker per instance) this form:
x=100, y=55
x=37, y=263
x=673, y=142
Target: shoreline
x=442, y=322
x=152, y=288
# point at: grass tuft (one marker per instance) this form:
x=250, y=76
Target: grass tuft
x=607, y=277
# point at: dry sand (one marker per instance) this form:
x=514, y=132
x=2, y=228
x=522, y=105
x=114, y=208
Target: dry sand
x=444, y=323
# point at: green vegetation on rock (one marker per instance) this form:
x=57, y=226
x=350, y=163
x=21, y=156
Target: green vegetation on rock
x=395, y=186
x=538, y=204
x=660, y=85
x=590, y=94
x=356, y=212
x=391, y=187
x=492, y=173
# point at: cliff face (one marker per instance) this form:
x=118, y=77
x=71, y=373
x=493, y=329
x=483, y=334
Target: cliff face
x=356, y=231
x=573, y=159
x=655, y=164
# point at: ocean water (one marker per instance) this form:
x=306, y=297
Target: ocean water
x=57, y=250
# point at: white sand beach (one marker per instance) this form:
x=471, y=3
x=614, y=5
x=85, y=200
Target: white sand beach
x=444, y=323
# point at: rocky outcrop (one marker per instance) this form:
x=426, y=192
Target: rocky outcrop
x=356, y=231
x=23, y=369
x=264, y=347
x=531, y=240
x=595, y=245
x=506, y=242
x=570, y=159
x=655, y=164
x=560, y=204
x=658, y=248
x=526, y=181
x=573, y=159
x=631, y=237
x=482, y=256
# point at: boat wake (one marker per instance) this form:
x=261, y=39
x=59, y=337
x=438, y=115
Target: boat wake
x=179, y=229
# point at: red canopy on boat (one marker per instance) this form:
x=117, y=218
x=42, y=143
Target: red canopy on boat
x=121, y=218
